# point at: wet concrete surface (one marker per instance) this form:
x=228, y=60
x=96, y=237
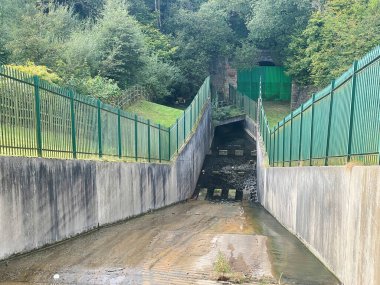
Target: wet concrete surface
x=176, y=245
x=181, y=243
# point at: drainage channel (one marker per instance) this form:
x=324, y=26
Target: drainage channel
x=229, y=171
x=228, y=176
x=221, y=235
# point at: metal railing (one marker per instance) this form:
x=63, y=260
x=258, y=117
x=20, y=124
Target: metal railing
x=339, y=124
x=39, y=119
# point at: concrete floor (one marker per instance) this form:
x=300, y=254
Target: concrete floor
x=175, y=245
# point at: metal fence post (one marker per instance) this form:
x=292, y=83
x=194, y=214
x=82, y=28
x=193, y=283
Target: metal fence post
x=73, y=128
x=159, y=142
x=177, y=135
x=353, y=93
x=170, y=155
x=99, y=129
x=119, y=133
x=300, y=145
x=291, y=139
x=184, y=126
x=38, y=115
x=312, y=130
x=283, y=143
x=149, y=140
x=329, y=124
x=191, y=117
x=278, y=143
x=270, y=146
x=198, y=106
x=136, y=144
x=274, y=146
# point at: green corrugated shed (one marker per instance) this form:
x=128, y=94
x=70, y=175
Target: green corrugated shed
x=276, y=85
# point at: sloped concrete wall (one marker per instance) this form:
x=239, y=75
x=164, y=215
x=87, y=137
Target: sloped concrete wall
x=43, y=201
x=335, y=211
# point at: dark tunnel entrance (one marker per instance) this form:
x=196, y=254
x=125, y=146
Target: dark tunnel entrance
x=229, y=172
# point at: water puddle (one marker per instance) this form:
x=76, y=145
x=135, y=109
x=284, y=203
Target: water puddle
x=290, y=259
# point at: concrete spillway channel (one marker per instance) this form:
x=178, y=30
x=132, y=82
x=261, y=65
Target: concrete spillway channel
x=220, y=234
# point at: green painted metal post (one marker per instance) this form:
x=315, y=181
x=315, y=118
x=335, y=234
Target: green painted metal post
x=270, y=147
x=73, y=128
x=198, y=106
x=184, y=126
x=191, y=117
x=119, y=133
x=329, y=124
x=291, y=139
x=99, y=103
x=38, y=115
x=312, y=130
x=300, y=146
x=283, y=143
x=149, y=140
x=379, y=152
x=136, y=134
x=351, y=126
x=278, y=143
x=159, y=142
x=177, y=136
x=266, y=137
x=170, y=155
x=274, y=146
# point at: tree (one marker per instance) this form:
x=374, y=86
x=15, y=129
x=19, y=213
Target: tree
x=121, y=44
x=343, y=31
x=274, y=21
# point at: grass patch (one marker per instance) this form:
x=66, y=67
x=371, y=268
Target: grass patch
x=224, y=272
x=227, y=112
x=159, y=114
x=276, y=111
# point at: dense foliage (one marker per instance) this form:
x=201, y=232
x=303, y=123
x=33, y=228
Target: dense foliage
x=341, y=32
x=102, y=47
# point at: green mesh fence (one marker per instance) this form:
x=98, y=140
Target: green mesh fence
x=270, y=81
x=339, y=124
x=40, y=119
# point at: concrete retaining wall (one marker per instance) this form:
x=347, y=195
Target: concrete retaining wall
x=43, y=201
x=335, y=211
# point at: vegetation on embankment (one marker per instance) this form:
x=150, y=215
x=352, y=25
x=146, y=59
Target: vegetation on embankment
x=159, y=114
x=276, y=111
x=103, y=47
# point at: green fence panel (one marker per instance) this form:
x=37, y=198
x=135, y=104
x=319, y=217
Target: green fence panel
x=17, y=116
x=38, y=118
x=320, y=128
x=306, y=132
x=109, y=133
x=296, y=136
x=86, y=123
x=127, y=126
x=366, y=119
x=340, y=119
